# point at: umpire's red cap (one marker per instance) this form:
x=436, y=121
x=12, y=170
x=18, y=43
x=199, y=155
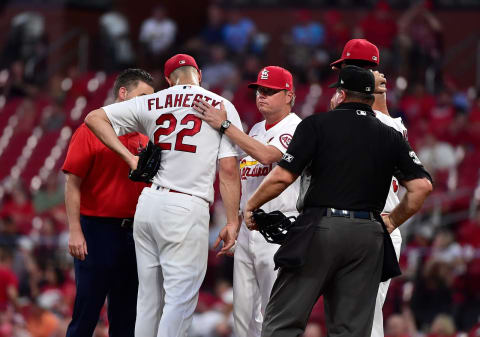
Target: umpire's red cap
x=359, y=49
x=274, y=77
x=177, y=61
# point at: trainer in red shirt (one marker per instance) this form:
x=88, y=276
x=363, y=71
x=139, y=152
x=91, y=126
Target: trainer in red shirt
x=104, y=174
x=100, y=202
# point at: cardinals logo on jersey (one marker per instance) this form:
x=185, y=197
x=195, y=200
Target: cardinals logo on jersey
x=285, y=140
x=252, y=168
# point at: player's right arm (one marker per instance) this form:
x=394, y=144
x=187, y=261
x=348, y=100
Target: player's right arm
x=77, y=246
x=100, y=124
x=265, y=154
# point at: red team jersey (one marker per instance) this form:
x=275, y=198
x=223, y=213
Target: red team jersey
x=106, y=190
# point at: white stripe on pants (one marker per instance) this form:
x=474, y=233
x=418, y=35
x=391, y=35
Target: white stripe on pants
x=253, y=278
x=171, y=243
x=377, y=328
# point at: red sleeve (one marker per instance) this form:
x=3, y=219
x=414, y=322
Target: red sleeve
x=8, y=278
x=143, y=140
x=80, y=154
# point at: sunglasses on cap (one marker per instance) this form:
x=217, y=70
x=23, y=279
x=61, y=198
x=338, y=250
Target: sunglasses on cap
x=267, y=91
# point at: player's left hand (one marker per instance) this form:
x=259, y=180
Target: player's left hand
x=228, y=235
x=249, y=221
x=213, y=116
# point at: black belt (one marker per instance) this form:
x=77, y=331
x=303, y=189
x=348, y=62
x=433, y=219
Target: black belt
x=126, y=223
x=170, y=190
x=349, y=214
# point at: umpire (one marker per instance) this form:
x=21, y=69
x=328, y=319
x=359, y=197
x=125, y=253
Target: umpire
x=353, y=156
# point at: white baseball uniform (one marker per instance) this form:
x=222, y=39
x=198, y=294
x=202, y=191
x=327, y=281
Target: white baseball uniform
x=172, y=216
x=392, y=201
x=253, y=272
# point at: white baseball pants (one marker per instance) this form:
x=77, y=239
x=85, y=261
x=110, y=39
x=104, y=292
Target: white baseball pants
x=253, y=278
x=171, y=243
x=377, y=328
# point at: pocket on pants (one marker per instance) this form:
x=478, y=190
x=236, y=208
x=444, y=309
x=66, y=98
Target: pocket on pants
x=175, y=220
x=178, y=209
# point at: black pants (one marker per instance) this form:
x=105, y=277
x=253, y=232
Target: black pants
x=344, y=264
x=108, y=271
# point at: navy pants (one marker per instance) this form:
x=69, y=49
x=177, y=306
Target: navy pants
x=108, y=271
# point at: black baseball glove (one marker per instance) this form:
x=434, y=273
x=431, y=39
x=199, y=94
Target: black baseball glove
x=273, y=226
x=148, y=164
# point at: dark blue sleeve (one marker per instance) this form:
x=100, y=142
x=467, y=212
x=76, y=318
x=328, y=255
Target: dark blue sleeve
x=301, y=149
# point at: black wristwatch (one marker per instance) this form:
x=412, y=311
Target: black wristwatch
x=225, y=125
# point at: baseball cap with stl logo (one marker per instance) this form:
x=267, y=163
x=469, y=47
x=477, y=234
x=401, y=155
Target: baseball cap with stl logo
x=275, y=78
x=361, y=50
x=177, y=61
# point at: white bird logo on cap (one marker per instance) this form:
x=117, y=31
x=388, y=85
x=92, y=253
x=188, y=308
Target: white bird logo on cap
x=181, y=62
x=264, y=75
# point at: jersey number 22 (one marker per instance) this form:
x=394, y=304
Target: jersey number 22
x=171, y=124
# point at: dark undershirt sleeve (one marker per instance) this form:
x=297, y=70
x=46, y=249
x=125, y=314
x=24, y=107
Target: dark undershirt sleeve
x=301, y=149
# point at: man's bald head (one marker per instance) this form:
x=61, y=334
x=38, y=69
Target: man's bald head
x=185, y=75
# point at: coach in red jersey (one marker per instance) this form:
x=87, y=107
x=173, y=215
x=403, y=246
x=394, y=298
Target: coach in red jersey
x=100, y=202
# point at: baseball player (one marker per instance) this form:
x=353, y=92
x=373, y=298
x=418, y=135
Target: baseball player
x=253, y=273
x=362, y=53
x=100, y=202
x=172, y=216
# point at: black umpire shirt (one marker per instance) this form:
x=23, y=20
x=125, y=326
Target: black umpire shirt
x=353, y=157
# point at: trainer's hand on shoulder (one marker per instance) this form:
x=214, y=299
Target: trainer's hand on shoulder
x=228, y=235
x=77, y=246
x=213, y=116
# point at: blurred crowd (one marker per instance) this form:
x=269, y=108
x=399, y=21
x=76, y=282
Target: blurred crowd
x=438, y=294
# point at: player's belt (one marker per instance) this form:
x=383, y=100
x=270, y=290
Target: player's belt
x=333, y=212
x=158, y=188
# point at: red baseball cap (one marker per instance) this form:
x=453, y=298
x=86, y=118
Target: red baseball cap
x=274, y=77
x=359, y=49
x=177, y=61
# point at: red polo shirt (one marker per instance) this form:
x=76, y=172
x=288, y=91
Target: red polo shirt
x=106, y=190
